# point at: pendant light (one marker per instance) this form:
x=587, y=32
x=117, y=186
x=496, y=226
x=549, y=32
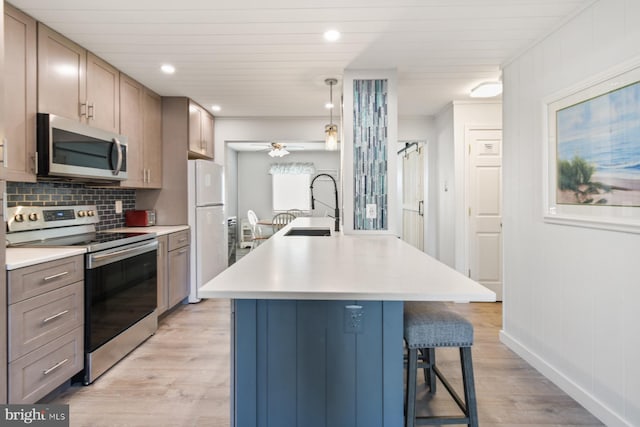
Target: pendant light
x=331, y=130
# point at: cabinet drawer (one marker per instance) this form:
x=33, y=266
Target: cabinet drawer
x=38, y=373
x=179, y=239
x=37, y=279
x=38, y=320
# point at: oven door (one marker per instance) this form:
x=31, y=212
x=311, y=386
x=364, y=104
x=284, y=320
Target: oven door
x=121, y=289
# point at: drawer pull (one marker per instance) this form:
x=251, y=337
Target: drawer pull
x=55, y=276
x=182, y=251
x=55, y=316
x=54, y=367
x=184, y=239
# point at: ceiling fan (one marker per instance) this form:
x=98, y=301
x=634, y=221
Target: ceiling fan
x=278, y=149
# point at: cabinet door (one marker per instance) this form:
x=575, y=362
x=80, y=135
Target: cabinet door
x=61, y=75
x=131, y=126
x=178, y=275
x=163, y=291
x=152, y=135
x=3, y=313
x=195, y=135
x=103, y=94
x=20, y=96
x=207, y=134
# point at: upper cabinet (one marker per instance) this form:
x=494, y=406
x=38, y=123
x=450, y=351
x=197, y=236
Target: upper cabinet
x=200, y=132
x=141, y=122
x=75, y=83
x=20, y=96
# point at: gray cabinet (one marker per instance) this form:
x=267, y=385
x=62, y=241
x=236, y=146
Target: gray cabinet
x=200, y=132
x=76, y=84
x=141, y=122
x=46, y=327
x=3, y=312
x=178, y=271
x=173, y=269
x=19, y=145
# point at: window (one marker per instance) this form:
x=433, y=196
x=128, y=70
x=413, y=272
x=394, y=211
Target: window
x=290, y=182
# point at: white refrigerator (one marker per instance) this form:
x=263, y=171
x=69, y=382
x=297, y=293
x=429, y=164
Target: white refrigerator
x=208, y=223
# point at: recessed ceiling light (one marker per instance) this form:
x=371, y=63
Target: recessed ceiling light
x=216, y=108
x=328, y=105
x=168, y=69
x=331, y=35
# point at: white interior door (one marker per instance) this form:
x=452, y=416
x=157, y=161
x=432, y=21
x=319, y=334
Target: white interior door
x=485, y=208
x=413, y=197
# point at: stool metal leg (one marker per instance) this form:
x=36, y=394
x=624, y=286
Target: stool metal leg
x=412, y=368
x=469, y=386
x=429, y=375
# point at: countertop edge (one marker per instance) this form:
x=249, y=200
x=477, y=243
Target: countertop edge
x=160, y=230
x=25, y=257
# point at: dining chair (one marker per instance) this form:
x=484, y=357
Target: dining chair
x=257, y=235
x=281, y=219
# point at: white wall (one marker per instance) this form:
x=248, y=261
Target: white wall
x=571, y=294
x=254, y=181
x=452, y=125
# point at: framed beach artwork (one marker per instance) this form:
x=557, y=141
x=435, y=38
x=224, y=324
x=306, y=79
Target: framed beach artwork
x=592, y=173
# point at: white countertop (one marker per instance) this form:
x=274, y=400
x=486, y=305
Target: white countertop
x=158, y=229
x=352, y=267
x=25, y=257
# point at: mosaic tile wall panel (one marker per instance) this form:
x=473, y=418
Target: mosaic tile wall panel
x=370, y=121
x=65, y=194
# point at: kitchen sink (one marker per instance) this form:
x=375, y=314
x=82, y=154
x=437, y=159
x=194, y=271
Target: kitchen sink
x=300, y=231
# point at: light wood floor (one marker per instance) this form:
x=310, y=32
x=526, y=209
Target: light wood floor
x=180, y=377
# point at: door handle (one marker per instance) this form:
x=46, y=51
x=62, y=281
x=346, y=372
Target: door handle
x=421, y=208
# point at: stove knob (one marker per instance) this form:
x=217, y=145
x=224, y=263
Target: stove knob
x=91, y=213
x=19, y=218
x=33, y=216
x=81, y=214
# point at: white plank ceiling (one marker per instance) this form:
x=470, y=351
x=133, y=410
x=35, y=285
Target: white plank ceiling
x=268, y=57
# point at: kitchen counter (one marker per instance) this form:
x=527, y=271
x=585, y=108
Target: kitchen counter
x=25, y=257
x=158, y=229
x=318, y=323
x=339, y=267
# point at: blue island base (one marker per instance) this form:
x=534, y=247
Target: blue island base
x=306, y=363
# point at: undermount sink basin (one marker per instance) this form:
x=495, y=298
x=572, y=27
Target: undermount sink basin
x=299, y=231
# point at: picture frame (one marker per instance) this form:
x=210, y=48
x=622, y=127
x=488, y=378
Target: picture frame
x=591, y=159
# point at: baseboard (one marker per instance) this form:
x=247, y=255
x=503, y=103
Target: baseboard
x=582, y=396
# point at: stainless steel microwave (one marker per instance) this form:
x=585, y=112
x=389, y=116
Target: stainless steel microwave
x=70, y=149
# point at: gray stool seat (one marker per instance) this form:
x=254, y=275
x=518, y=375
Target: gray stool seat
x=432, y=324
x=428, y=325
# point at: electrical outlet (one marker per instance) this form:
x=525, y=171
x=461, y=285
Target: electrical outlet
x=353, y=317
x=372, y=211
x=118, y=206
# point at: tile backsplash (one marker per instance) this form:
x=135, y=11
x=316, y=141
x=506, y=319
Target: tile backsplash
x=65, y=194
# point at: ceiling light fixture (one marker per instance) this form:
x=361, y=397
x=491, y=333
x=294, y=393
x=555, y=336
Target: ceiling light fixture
x=277, y=150
x=331, y=130
x=331, y=35
x=168, y=68
x=486, y=90
x=216, y=108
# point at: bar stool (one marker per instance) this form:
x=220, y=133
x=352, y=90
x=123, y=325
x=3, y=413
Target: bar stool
x=428, y=325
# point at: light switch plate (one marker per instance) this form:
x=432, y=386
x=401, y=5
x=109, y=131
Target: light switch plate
x=118, y=206
x=372, y=211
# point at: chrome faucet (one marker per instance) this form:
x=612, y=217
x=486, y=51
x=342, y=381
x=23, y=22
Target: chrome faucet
x=335, y=189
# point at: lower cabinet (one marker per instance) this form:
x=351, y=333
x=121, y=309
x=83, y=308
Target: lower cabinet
x=173, y=269
x=178, y=261
x=46, y=327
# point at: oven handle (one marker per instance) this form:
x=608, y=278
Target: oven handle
x=98, y=259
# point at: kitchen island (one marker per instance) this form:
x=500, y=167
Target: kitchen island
x=317, y=325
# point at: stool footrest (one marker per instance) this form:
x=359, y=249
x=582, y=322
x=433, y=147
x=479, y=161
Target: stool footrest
x=436, y=421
